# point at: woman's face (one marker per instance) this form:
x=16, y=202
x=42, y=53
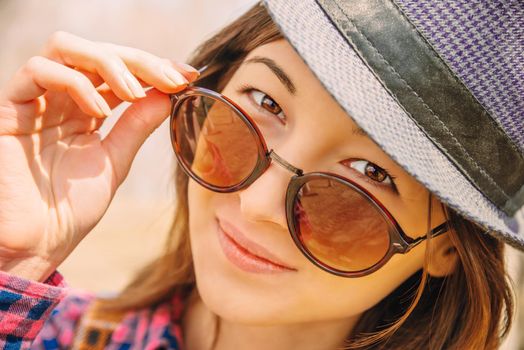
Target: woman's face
x=273, y=85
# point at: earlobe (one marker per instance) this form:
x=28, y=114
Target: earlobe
x=443, y=258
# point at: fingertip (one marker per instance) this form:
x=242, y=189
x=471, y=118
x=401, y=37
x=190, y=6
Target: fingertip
x=161, y=95
x=189, y=72
x=103, y=108
x=189, y=69
x=171, y=90
x=193, y=76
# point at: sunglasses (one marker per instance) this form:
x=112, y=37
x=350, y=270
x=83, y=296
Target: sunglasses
x=336, y=223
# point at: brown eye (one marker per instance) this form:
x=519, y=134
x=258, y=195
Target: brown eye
x=372, y=171
x=270, y=105
x=375, y=173
x=267, y=104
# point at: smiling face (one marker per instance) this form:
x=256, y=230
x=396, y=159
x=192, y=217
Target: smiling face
x=247, y=267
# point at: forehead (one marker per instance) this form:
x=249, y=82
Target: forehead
x=309, y=93
x=312, y=99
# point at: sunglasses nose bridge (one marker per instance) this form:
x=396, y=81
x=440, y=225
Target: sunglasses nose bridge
x=283, y=163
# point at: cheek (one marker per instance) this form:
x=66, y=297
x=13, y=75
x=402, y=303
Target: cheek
x=332, y=297
x=204, y=245
x=306, y=296
x=201, y=224
x=201, y=219
x=197, y=198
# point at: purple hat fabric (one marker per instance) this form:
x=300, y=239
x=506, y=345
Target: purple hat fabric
x=483, y=43
x=439, y=85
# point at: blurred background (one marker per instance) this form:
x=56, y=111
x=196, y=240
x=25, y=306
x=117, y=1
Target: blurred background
x=133, y=230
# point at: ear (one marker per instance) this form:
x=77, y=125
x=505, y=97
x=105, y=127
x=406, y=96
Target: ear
x=443, y=258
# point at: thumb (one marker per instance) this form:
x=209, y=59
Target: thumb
x=132, y=129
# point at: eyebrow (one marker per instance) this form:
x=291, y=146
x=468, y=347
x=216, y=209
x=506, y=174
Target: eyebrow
x=288, y=83
x=277, y=70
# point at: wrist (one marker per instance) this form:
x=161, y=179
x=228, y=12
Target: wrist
x=33, y=268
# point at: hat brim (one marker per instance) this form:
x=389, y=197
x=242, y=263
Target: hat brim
x=354, y=86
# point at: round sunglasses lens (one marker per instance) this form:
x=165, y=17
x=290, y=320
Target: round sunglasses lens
x=214, y=141
x=340, y=227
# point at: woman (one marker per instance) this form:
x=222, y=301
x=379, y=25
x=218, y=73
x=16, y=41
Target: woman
x=373, y=260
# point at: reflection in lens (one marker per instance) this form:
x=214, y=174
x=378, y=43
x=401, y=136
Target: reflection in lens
x=214, y=141
x=339, y=226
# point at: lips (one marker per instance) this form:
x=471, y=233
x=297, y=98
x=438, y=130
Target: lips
x=246, y=254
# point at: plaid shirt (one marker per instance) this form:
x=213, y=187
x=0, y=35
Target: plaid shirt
x=47, y=315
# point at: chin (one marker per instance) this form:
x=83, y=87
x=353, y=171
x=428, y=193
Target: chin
x=235, y=295
x=250, y=309
x=265, y=298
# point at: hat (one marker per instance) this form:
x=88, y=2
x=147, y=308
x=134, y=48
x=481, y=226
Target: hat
x=438, y=85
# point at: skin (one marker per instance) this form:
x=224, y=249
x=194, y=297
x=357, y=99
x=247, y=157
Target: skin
x=260, y=311
x=59, y=172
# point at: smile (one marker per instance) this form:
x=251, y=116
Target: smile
x=246, y=254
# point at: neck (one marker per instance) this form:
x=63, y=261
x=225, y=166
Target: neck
x=203, y=330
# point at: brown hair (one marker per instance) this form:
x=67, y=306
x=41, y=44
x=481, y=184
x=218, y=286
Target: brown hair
x=470, y=309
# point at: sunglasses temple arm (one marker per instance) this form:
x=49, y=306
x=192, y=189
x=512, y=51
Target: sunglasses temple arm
x=202, y=69
x=437, y=231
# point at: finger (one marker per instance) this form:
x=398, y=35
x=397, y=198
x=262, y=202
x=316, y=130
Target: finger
x=83, y=54
x=69, y=128
x=163, y=74
x=109, y=95
x=95, y=79
x=133, y=128
x=21, y=118
x=41, y=74
x=189, y=72
x=55, y=118
x=56, y=112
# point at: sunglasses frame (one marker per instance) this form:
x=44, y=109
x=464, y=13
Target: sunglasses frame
x=399, y=242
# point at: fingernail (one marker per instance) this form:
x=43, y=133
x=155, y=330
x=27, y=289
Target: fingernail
x=102, y=105
x=174, y=76
x=189, y=68
x=134, y=85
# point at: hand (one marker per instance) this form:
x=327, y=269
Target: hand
x=58, y=176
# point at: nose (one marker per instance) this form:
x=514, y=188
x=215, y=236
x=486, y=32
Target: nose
x=264, y=200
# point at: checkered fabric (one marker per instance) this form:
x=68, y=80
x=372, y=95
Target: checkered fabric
x=24, y=307
x=49, y=316
x=482, y=43
x=59, y=330
x=153, y=328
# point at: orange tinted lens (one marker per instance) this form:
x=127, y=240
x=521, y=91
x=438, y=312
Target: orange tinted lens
x=215, y=142
x=339, y=226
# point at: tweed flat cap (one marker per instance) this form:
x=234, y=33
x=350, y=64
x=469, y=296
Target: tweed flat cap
x=439, y=85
